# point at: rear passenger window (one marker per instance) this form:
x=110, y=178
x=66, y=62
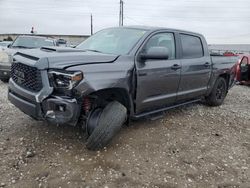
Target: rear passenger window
x=191, y=46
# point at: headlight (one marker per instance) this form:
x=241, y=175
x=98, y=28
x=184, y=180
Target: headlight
x=4, y=57
x=64, y=79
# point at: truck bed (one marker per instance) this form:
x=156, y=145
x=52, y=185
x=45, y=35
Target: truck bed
x=223, y=64
x=217, y=59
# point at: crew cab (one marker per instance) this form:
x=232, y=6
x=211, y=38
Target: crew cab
x=116, y=75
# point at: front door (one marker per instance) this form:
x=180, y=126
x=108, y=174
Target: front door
x=157, y=79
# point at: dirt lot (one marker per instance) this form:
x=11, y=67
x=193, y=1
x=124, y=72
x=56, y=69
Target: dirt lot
x=194, y=146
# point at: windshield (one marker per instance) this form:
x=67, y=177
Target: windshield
x=117, y=41
x=32, y=42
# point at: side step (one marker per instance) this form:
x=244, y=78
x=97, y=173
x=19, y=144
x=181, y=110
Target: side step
x=138, y=116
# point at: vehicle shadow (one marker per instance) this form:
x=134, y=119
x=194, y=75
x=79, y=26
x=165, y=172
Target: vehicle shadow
x=74, y=135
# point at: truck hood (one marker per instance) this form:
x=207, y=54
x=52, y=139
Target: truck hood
x=12, y=51
x=62, y=57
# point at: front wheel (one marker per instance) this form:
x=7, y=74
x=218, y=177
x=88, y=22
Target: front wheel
x=218, y=93
x=104, y=124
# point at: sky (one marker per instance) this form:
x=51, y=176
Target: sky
x=220, y=21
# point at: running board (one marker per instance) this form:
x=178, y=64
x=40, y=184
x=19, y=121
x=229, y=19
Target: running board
x=163, y=109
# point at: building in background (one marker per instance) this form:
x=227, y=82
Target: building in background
x=71, y=39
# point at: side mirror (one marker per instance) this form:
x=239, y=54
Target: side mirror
x=9, y=45
x=155, y=53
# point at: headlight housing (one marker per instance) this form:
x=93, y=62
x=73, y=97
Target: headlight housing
x=60, y=79
x=4, y=57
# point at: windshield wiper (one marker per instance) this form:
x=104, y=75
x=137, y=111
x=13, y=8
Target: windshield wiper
x=21, y=47
x=93, y=50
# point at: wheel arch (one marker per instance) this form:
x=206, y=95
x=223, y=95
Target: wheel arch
x=215, y=77
x=118, y=94
x=226, y=76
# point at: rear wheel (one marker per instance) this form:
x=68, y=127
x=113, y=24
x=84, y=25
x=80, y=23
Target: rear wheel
x=218, y=93
x=103, y=124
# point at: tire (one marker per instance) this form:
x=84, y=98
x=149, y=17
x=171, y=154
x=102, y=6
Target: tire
x=110, y=122
x=218, y=93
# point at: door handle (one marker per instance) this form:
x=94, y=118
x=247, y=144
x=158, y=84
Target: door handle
x=207, y=64
x=175, y=67
x=143, y=74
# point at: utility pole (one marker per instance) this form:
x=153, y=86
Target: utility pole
x=121, y=13
x=91, y=24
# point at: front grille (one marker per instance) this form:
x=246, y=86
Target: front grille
x=26, y=76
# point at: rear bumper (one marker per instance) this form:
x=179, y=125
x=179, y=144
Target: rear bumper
x=55, y=109
x=4, y=71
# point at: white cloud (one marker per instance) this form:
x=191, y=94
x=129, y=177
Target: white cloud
x=225, y=21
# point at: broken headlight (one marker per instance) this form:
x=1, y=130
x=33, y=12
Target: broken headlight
x=64, y=79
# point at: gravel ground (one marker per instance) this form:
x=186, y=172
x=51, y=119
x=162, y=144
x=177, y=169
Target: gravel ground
x=193, y=146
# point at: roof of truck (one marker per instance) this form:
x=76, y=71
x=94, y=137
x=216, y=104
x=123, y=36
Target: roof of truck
x=154, y=28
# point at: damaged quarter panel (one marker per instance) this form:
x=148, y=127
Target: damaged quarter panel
x=221, y=67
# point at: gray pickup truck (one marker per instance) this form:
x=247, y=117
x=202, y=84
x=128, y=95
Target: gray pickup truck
x=116, y=75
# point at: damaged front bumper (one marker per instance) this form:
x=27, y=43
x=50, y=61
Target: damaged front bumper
x=54, y=109
x=61, y=110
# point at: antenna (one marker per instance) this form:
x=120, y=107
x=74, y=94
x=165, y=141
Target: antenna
x=121, y=13
x=91, y=24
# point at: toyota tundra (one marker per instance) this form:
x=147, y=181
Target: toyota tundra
x=116, y=75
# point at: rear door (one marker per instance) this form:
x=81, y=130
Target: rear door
x=196, y=67
x=157, y=80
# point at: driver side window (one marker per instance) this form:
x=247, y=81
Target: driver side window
x=165, y=40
